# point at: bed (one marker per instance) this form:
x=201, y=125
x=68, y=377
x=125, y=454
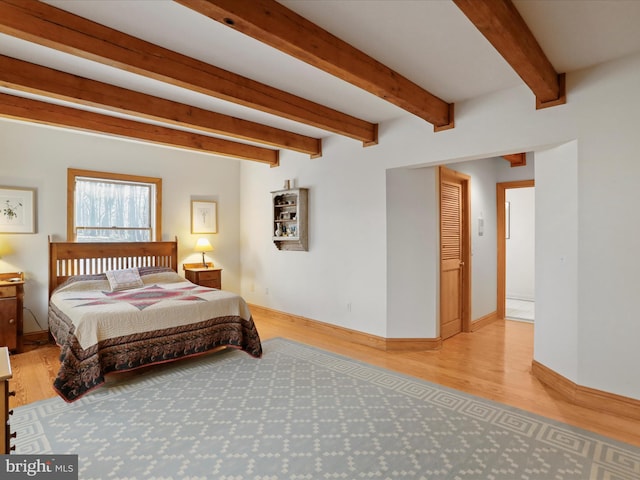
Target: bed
x=116, y=307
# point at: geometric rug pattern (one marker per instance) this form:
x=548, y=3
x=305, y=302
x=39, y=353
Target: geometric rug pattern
x=304, y=413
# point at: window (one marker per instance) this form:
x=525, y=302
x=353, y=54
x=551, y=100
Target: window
x=111, y=207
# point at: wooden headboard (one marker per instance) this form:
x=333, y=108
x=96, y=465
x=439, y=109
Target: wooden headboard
x=70, y=258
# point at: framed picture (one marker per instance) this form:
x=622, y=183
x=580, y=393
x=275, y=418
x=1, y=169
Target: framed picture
x=17, y=210
x=203, y=217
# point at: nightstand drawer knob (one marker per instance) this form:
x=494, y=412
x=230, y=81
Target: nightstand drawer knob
x=12, y=393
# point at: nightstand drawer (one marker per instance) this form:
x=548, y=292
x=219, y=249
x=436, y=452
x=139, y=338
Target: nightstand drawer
x=213, y=275
x=211, y=279
x=204, y=277
x=8, y=291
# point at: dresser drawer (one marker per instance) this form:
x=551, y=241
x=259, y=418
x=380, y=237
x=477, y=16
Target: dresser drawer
x=11, y=305
x=9, y=323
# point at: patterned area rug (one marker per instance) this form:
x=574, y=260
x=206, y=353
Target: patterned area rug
x=303, y=413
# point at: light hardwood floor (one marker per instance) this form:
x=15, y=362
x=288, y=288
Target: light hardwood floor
x=493, y=362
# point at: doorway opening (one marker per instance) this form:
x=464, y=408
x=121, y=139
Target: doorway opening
x=516, y=250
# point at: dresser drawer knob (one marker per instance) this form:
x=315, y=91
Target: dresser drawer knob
x=12, y=321
x=13, y=435
x=12, y=393
x=10, y=412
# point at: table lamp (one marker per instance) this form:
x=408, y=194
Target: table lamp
x=203, y=245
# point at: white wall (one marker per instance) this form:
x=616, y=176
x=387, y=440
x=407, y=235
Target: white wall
x=607, y=101
x=520, y=246
x=38, y=157
x=412, y=253
x=556, y=263
x=350, y=247
x=347, y=206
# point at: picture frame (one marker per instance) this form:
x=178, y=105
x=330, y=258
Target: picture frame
x=17, y=210
x=204, y=217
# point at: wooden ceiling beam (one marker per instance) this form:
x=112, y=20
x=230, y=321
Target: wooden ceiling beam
x=516, y=159
x=28, y=77
x=55, y=28
x=273, y=24
x=501, y=23
x=37, y=111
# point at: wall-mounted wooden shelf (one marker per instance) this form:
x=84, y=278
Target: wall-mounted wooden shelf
x=290, y=223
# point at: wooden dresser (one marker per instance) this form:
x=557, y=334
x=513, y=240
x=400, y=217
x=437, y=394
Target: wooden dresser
x=11, y=306
x=206, y=277
x=5, y=375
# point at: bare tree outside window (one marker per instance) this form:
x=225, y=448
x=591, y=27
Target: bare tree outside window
x=114, y=207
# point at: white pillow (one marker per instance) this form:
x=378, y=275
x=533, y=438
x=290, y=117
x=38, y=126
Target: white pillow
x=124, y=279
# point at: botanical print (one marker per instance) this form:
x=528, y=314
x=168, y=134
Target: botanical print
x=17, y=210
x=203, y=214
x=12, y=211
x=203, y=217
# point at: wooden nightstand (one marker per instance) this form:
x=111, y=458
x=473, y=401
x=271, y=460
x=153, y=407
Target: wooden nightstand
x=206, y=277
x=11, y=298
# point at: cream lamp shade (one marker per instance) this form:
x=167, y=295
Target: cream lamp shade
x=203, y=245
x=5, y=248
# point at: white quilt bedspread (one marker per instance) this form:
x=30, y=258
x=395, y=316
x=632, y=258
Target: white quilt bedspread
x=166, y=300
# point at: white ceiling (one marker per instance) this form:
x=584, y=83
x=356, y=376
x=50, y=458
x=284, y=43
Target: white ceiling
x=428, y=41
